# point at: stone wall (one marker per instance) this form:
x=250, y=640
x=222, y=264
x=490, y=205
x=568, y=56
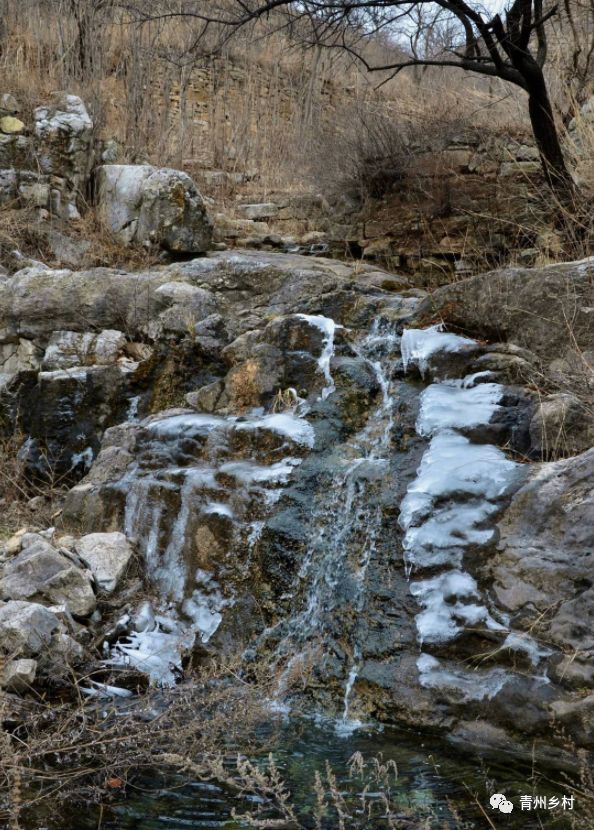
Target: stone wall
x=467, y=206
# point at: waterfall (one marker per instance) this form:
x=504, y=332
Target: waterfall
x=345, y=522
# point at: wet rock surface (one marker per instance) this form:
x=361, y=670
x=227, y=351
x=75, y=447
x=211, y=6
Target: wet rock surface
x=309, y=479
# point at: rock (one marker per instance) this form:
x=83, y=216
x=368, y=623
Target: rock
x=111, y=151
x=33, y=190
x=107, y=555
x=9, y=104
x=40, y=573
x=37, y=503
x=68, y=349
x=578, y=716
x=261, y=211
x=64, y=133
x=18, y=675
x=520, y=168
x=542, y=571
x=119, y=197
x=562, y=425
x=26, y=628
x=69, y=252
x=14, y=544
x=10, y=125
x=8, y=186
x=19, y=355
x=142, y=204
x=528, y=307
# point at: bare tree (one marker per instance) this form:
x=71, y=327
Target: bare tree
x=511, y=45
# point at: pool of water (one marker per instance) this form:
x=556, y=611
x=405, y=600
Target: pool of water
x=434, y=789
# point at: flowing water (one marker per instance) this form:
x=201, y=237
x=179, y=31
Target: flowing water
x=187, y=459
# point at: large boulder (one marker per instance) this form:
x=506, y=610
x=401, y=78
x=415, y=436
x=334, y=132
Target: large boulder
x=548, y=310
x=40, y=573
x=143, y=204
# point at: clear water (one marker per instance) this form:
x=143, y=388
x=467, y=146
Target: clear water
x=435, y=789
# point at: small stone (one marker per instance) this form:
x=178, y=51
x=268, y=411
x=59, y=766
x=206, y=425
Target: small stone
x=9, y=104
x=11, y=125
x=19, y=675
x=14, y=544
x=107, y=555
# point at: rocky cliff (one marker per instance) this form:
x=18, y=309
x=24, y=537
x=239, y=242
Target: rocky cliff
x=287, y=459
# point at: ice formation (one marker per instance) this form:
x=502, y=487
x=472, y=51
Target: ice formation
x=450, y=405
x=418, y=345
x=328, y=328
x=447, y=508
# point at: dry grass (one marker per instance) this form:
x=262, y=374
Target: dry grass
x=25, y=236
x=24, y=503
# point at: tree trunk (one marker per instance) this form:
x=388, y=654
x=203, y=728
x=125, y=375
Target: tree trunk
x=546, y=135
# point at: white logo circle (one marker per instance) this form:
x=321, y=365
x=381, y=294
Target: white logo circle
x=499, y=802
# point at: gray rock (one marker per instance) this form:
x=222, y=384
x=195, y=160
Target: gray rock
x=64, y=133
x=69, y=252
x=543, y=568
x=26, y=628
x=142, y=204
x=67, y=349
x=529, y=307
x=9, y=104
x=41, y=573
x=19, y=355
x=18, y=675
x=261, y=211
x=562, y=425
x=8, y=186
x=107, y=555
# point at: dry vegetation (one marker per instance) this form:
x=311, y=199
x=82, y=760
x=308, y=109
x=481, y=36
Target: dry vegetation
x=273, y=113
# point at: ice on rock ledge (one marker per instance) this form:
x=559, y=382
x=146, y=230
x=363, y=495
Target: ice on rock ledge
x=470, y=686
x=184, y=424
x=452, y=465
x=249, y=471
x=156, y=652
x=444, y=615
x=418, y=345
x=451, y=405
x=218, y=508
x=441, y=539
x=205, y=605
x=525, y=644
x=290, y=426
